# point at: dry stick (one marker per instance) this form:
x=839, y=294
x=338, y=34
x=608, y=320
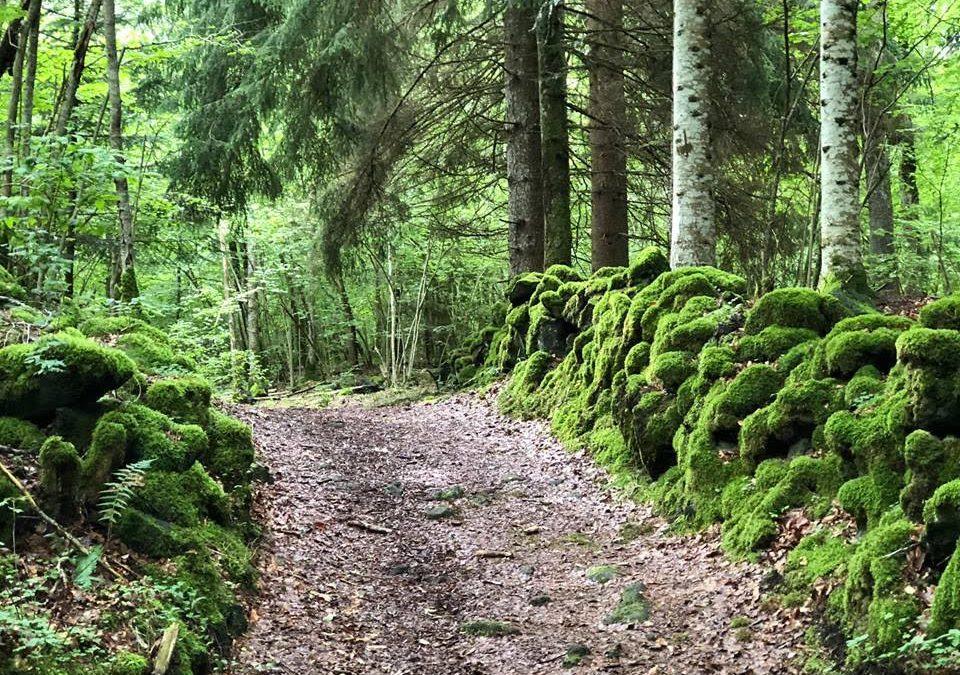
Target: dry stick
x=167, y=644
x=369, y=527
x=76, y=543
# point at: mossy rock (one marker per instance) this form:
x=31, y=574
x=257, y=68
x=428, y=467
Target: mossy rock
x=106, y=454
x=945, y=612
x=672, y=369
x=183, y=399
x=522, y=288
x=60, y=477
x=941, y=514
x=231, y=452
x=182, y=498
x=773, y=342
x=795, y=308
x=820, y=555
x=873, y=598
x=752, y=389
x=56, y=371
x=603, y=574
x=154, y=436
x=649, y=264
x=942, y=313
x=632, y=608
x=564, y=273
x=16, y=433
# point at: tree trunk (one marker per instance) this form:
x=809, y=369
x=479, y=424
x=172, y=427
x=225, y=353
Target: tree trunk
x=29, y=84
x=76, y=69
x=558, y=240
x=128, y=276
x=9, y=149
x=353, y=340
x=226, y=275
x=524, y=178
x=841, y=246
x=608, y=134
x=693, y=238
x=253, y=301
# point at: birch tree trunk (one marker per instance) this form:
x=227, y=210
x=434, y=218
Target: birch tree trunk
x=524, y=178
x=555, y=133
x=693, y=238
x=128, y=276
x=608, y=134
x=841, y=246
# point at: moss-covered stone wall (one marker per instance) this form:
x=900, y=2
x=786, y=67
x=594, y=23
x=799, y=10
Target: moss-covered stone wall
x=735, y=412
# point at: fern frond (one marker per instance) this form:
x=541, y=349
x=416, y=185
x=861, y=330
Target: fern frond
x=117, y=495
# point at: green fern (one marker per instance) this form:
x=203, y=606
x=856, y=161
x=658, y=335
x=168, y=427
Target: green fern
x=116, y=496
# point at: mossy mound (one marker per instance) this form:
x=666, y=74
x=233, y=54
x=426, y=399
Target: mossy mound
x=58, y=371
x=148, y=347
x=737, y=414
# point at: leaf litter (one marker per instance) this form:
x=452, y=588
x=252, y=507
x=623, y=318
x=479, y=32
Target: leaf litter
x=357, y=578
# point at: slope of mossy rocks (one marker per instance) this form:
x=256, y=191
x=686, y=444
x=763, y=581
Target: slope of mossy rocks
x=736, y=412
x=84, y=403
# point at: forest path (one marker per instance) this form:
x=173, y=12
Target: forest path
x=364, y=571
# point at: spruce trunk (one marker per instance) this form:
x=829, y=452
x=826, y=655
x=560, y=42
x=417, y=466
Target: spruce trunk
x=524, y=178
x=608, y=133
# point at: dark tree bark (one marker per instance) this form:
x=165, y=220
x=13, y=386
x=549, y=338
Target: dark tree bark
x=10, y=43
x=10, y=136
x=608, y=133
x=558, y=241
x=524, y=177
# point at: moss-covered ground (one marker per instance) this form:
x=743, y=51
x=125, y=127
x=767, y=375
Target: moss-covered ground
x=735, y=412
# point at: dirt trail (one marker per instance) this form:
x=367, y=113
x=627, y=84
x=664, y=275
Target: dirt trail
x=358, y=578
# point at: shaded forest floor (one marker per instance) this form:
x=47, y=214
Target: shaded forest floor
x=391, y=532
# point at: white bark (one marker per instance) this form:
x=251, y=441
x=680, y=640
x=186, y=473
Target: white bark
x=693, y=238
x=841, y=246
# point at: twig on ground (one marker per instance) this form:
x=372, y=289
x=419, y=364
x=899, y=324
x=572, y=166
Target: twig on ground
x=369, y=527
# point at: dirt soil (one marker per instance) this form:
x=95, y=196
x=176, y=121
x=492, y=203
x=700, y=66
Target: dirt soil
x=365, y=570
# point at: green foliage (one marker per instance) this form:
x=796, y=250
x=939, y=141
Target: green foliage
x=117, y=494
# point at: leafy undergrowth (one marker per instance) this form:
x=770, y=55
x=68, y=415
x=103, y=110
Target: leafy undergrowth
x=739, y=414
x=146, y=490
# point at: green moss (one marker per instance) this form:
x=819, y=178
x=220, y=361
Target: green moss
x=638, y=358
x=807, y=481
x=603, y=574
x=127, y=663
x=20, y=434
x=773, y=342
x=671, y=369
x=59, y=477
x=862, y=498
x=231, y=452
x=751, y=389
x=864, y=387
x=148, y=535
x=873, y=598
x=152, y=435
x=633, y=607
x=924, y=456
x=649, y=264
x=926, y=347
x=182, y=498
x=716, y=362
x=107, y=326
x=184, y=399
x=941, y=514
x=794, y=308
x=942, y=313
x=553, y=303
x=59, y=370
x=819, y=555
x=945, y=613
x=522, y=288
x=106, y=454
x=564, y=273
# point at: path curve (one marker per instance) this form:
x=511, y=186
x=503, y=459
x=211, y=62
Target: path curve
x=357, y=579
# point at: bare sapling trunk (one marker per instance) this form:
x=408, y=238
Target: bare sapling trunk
x=693, y=239
x=558, y=242
x=524, y=177
x=840, y=236
x=69, y=96
x=608, y=135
